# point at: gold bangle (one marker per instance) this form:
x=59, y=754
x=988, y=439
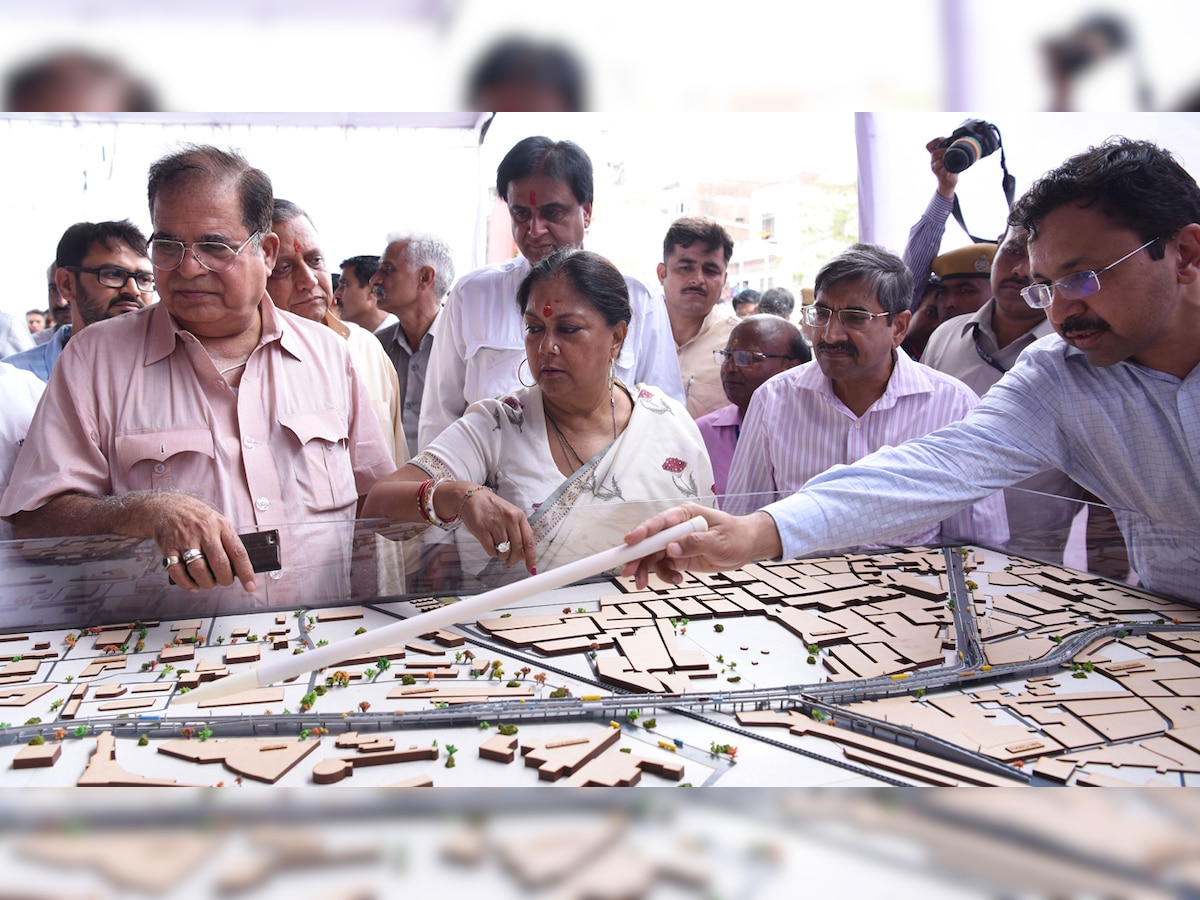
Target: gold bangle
x=466, y=497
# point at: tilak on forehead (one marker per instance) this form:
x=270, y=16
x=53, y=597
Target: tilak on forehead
x=295, y=245
x=532, y=198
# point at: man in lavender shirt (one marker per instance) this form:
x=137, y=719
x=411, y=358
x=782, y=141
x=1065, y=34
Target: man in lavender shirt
x=758, y=347
x=209, y=411
x=860, y=394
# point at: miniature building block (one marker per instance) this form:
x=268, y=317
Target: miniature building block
x=414, y=782
x=445, y=638
x=242, y=653
x=280, y=644
x=368, y=659
x=340, y=614
x=334, y=769
x=41, y=756
x=104, y=771
x=500, y=748
x=556, y=758
x=21, y=670
x=22, y=696
x=125, y=705
x=244, y=698
x=426, y=649
x=180, y=653
x=266, y=761
x=108, y=691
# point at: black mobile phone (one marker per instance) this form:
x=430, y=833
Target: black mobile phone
x=262, y=548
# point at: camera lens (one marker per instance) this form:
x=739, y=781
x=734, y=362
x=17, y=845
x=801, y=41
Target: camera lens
x=962, y=154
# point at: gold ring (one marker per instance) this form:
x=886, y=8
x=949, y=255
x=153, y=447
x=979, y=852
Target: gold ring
x=169, y=561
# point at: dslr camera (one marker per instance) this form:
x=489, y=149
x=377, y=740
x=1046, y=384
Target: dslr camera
x=970, y=142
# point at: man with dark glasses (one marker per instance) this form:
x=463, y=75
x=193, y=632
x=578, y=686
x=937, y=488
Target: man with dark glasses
x=102, y=271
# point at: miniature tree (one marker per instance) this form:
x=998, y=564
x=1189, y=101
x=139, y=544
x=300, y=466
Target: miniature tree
x=650, y=724
x=633, y=715
x=540, y=678
x=718, y=628
x=205, y=733
x=60, y=734
x=407, y=679
x=36, y=741
x=360, y=630
x=506, y=730
x=458, y=656
x=383, y=664
x=364, y=706
x=525, y=670
x=559, y=693
x=370, y=674
x=450, y=751
x=144, y=740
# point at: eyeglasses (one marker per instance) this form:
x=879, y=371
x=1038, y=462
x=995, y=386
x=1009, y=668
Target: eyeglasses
x=744, y=358
x=1075, y=286
x=116, y=277
x=213, y=255
x=852, y=319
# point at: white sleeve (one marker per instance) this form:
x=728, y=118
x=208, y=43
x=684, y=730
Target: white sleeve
x=656, y=360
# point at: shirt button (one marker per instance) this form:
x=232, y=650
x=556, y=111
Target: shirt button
x=249, y=441
x=408, y=406
x=159, y=468
x=263, y=503
x=413, y=367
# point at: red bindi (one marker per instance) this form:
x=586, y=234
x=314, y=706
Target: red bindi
x=547, y=311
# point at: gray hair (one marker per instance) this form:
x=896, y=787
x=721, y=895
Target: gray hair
x=424, y=249
x=885, y=273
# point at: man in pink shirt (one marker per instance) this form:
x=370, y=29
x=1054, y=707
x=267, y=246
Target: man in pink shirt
x=860, y=394
x=208, y=412
x=758, y=347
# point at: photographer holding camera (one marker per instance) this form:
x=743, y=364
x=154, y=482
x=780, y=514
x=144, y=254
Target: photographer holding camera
x=980, y=342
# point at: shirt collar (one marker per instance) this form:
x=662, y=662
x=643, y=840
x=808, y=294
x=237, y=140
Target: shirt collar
x=163, y=331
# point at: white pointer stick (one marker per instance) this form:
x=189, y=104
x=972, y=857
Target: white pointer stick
x=422, y=623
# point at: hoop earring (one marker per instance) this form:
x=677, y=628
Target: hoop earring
x=525, y=362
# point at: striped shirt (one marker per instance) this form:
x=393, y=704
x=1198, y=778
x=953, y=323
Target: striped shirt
x=796, y=428
x=1127, y=433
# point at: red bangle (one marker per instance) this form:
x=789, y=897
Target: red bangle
x=423, y=501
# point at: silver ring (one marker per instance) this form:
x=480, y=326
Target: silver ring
x=504, y=546
x=190, y=556
x=169, y=561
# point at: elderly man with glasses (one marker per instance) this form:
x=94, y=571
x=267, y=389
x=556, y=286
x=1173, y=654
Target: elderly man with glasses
x=205, y=414
x=102, y=271
x=1112, y=399
x=859, y=394
x=759, y=347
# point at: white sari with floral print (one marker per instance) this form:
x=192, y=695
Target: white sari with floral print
x=657, y=462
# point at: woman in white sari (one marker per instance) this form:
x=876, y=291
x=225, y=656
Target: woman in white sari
x=566, y=467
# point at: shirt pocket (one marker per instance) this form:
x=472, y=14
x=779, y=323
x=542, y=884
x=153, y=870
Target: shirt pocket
x=161, y=460
x=324, y=474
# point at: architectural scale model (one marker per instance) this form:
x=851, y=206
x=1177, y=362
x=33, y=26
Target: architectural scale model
x=919, y=666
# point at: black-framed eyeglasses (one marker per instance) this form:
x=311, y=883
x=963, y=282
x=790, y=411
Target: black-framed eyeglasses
x=852, y=319
x=743, y=358
x=116, y=277
x=213, y=255
x=1075, y=286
